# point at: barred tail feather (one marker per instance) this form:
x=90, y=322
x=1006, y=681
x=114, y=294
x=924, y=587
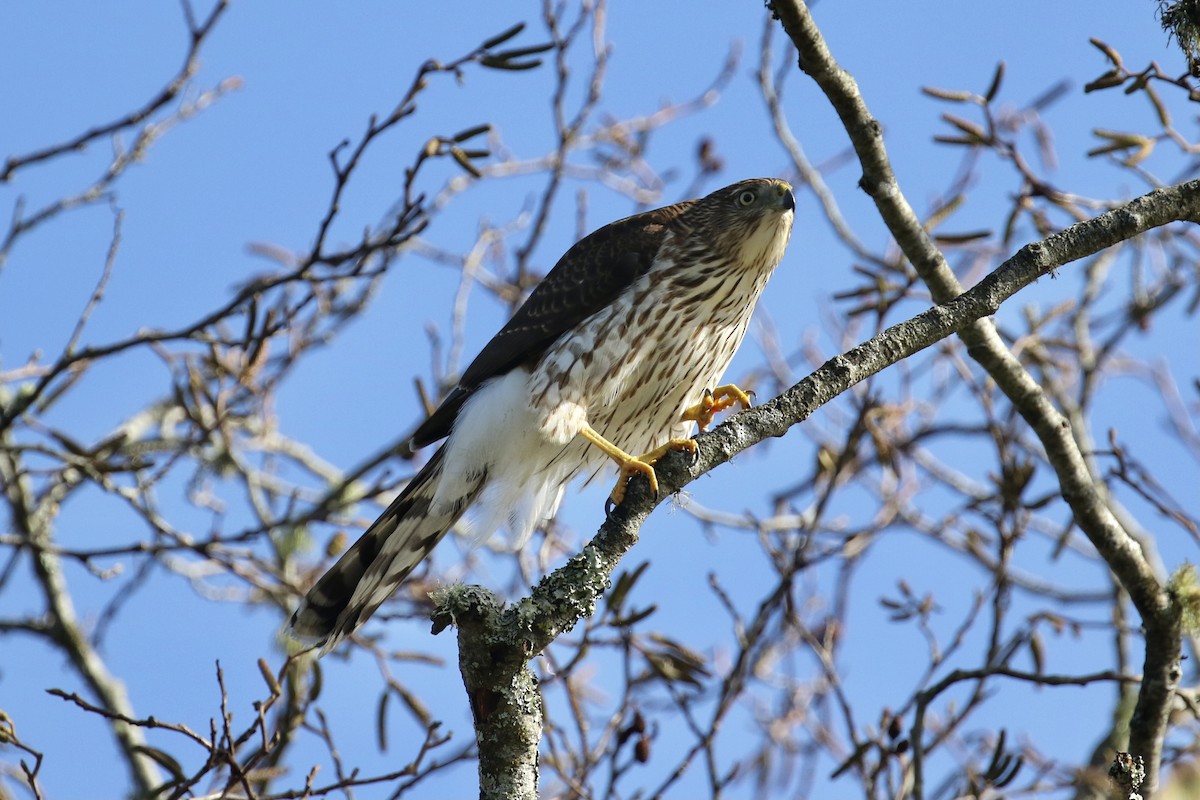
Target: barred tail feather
x=380, y=560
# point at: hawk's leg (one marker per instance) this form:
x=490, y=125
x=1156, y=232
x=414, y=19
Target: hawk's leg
x=634, y=465
x=714, y=402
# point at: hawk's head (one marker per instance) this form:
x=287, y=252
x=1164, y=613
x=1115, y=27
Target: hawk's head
x=746, y=223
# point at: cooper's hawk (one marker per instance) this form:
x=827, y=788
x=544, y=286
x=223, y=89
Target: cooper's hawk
x=607, y=357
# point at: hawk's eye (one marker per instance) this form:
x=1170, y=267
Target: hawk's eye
x=746, y=198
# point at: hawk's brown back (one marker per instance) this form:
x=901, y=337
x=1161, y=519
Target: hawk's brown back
x=585, y=280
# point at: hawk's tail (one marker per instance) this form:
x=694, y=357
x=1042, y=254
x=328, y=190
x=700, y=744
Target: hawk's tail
x=375, y=565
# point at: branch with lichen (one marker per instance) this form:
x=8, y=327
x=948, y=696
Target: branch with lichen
x=1159, y=611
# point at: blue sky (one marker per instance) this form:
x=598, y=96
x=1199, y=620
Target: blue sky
x=253, y=168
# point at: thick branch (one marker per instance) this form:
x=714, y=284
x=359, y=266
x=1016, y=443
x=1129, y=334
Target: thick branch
x=505, y=703
x=1159, y=613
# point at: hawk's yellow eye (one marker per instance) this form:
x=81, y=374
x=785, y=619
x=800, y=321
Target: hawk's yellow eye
x=746, y=198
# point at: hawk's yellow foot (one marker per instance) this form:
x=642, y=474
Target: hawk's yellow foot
x=715, y=402
x=634, y=465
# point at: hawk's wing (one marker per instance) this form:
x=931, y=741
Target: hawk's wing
x=586, y=279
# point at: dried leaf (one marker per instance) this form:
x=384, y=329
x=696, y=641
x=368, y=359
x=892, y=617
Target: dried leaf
x=163, y=759
x=1112, y=54
x=499, y=63
x=269, y=677
x=381, y=721
x=990, y=95
x=501, y=38
x=1164, y=116
x=972, y=142
x=464, y=161
x=972, y=129
x=953, y=95
x=621, y=588
x=520, y=52
x=471, y=133
x=961, y=238
x=1106, y=81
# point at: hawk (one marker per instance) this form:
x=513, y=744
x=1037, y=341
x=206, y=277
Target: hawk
x=607, y=357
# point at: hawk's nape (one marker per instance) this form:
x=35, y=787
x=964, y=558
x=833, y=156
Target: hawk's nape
x=607, y=357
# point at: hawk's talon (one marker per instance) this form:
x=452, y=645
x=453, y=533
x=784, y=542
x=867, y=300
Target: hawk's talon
x=714, y=402
x=630, y=466
x=609, y=507
x=635, y=465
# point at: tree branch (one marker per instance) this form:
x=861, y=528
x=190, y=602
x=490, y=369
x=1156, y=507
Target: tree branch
x=1159, y=612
